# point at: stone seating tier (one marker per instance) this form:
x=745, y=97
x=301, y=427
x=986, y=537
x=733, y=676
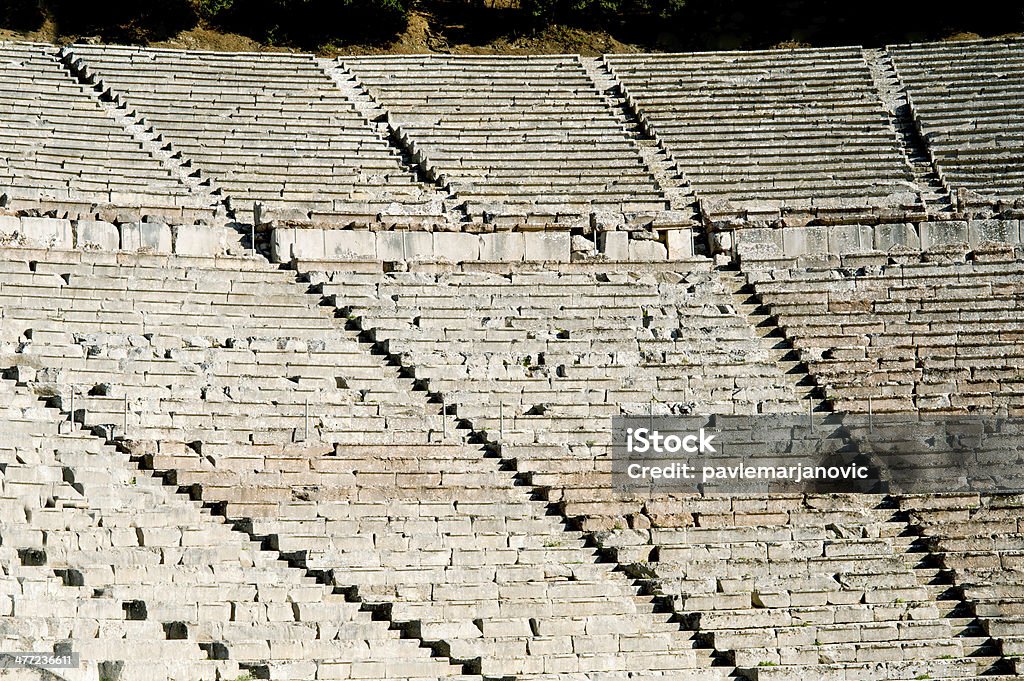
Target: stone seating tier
x=963, y=98
x=786, y=127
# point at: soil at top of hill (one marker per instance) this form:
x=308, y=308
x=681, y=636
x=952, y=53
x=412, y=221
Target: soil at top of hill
x=426, y=32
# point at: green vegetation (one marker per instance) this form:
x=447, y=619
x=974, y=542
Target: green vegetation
x=653, y=24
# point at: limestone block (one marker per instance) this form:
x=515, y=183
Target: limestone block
x=845, y=239
x=47, y=232
x=547, y=246
x=95, y=234
x=350, y=244
x=394, y=246
x=614, y=245
x=153, y=237
x=503, y=246
x=680, y=243
x=943, y=233
x=725, y=241
x=308, y=244
x=23, y=374
x=199, y=240
x=607, y=222
x=797, y=241
x=581, y=244
x=456, y=246
x=10, y=228
x=647, y=250
x=1002, y=231
x=282, y=244
x=890, y=236
x=758, y=242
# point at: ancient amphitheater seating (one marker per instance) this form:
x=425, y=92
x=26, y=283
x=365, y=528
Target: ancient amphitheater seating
x=185, y=343
x=520, y=137
x=60, y=151
x=965, y=98
x=540, y=360
x=814, y=583
x=760, y=134
x=975, y=545
x=146, y=579
x=272, y=129
x=453, y=545
x=916, y=336
x=546, y=358
x=420, y=524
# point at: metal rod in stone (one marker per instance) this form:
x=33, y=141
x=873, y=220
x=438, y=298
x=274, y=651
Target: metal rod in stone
x=125, y=431
x=444, y=420
x=501, y=420
x=306, y=421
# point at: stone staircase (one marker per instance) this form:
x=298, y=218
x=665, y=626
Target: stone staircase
x=215, y=603
x=377, y=117
x=659, y=161
x=937, y=197
x=747, y=303
x=953, y=604
x=179, y=166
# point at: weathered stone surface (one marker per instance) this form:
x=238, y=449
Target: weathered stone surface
x=547, y=246
x=283, y=245
x=987, y=231
x=92, y=234
x=798, y=241
x=614, y=245
x=47, y=232
x=943, y=233
x=890, y=236
x=350, y=244
x=456, y=246
x=680, y=243
x=151, y=237
x=844, y=239
x=10, y=228
x=199, y=240
x=581, y=244
x=502, y=246
x=756, y=242
x=647, y=250
x=404, y=245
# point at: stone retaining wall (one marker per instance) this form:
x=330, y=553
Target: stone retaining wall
x=132, y=237
x=290, y=243
x=793, y=242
